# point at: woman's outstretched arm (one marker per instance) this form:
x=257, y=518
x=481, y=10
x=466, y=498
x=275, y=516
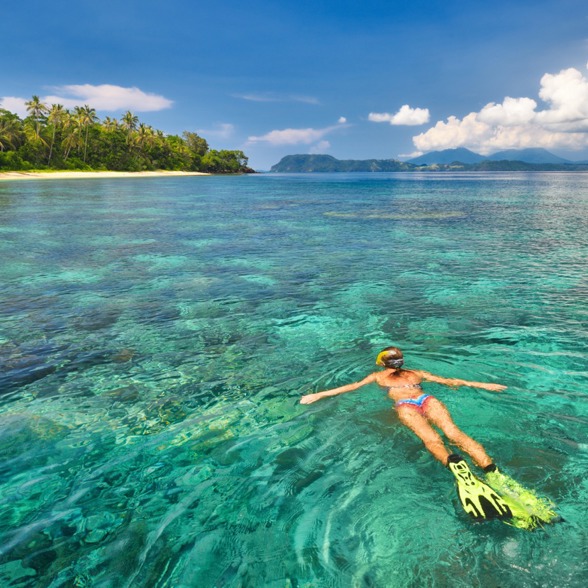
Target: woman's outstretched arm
x=310, y=398
x=428, y=377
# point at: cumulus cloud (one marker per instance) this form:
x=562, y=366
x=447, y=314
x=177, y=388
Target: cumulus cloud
x=108, y=97
x=102, y=97
x=567, y=92
x=294, y=136
x=406, y=116
x=14, y=104
x=512, y=111
x=342, y=120
x=517, y=123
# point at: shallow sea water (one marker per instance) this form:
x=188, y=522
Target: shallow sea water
x=156, y=335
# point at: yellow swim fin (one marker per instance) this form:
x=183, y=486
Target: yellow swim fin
x=479, y=500
x=525, y=504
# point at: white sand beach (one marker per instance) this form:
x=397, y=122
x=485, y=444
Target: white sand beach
x=64, y=175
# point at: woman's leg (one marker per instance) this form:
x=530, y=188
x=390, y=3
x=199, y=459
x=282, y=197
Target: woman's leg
x=438, y=414
x=419, y=425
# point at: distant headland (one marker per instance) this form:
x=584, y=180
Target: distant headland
x=447, y=160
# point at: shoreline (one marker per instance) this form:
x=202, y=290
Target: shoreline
x=66, y=175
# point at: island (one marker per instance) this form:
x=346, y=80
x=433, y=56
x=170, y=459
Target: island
x=52, y=137
x=513, y=160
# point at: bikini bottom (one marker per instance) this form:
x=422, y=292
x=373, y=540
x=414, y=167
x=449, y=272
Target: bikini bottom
x=419, y=403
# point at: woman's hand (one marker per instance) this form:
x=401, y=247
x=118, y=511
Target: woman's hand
x=310, y=398
x=494, y=387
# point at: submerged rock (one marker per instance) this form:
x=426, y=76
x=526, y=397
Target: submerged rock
x=19, y=432
x=123, y=355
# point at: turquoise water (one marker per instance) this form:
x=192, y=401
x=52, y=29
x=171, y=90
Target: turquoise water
x=156, y=335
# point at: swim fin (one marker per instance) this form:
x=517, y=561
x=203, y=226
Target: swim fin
x=479, y=500
x=525, y=504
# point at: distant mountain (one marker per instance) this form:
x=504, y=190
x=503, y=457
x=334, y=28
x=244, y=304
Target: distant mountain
x=327, y=163
x=305, y=163
x=528, y=156
x=538, y=155
x=447, y=156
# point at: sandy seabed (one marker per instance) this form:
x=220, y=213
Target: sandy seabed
x=64, y=175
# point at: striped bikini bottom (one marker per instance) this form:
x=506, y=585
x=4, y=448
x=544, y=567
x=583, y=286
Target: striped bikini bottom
x=419, y=403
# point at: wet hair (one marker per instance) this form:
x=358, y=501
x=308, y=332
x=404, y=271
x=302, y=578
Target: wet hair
x=390, y=357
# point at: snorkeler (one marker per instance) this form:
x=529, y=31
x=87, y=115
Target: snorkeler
x=421, y=412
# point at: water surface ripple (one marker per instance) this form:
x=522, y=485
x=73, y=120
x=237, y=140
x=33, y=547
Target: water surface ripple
x=156, y=335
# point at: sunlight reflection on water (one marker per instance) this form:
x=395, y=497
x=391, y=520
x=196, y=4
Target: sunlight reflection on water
x=154, y=352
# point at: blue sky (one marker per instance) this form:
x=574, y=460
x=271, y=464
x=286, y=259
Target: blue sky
x=357, y=80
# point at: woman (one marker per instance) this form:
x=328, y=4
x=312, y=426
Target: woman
x=417, y=410
x=421, y=412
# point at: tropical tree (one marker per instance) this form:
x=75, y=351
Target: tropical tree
x=35, y=146
x=196, y=143
x=86, y=117
x=56, y=119
x=110, y=124
x=10, y=130
x=144, y=137
x=129, y=123
x=37, y=111
x=71, y=135
x=224, y=161
x=55, y=136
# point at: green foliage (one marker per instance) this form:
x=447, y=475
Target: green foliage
x=11, y=131
x=56, y=138
x=224, y=162
x=196, y=144
x=11, y=161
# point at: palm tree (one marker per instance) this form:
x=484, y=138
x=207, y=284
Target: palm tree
x=129, y=122
x=71, y=134
x=86, y=117
x=110, y=124
x=56, y=118
x=10, y=130
x=37, y=111
x=145, y=139
x=145, y=136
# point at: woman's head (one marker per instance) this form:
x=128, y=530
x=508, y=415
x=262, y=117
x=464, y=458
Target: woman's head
x=391, y=358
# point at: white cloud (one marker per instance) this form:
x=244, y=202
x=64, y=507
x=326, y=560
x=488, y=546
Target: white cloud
x=103, y=97
x=273, y=97
x=517, y=123
x=380, y=117
x=567, y=92
x=512, y=111
x=108, y=97
x=342, y=120
x=290, y=136
x=15, y=105
x=410, y=155
x=320, y=147
x=405, y=116
x=222, y=131
x=294, y=136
